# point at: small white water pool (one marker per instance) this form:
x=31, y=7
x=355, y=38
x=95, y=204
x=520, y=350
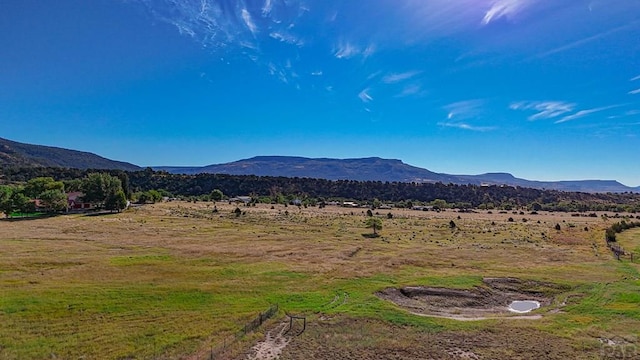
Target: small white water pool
x=523, y=306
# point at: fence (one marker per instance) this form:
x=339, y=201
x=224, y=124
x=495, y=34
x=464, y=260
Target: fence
x=610, y=237
x=618, y=251
x=218, y=351
x=296, y=317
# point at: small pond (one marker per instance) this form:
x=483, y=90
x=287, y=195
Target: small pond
x=523, y=306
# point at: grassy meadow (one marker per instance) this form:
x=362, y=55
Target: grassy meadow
x=171, y=280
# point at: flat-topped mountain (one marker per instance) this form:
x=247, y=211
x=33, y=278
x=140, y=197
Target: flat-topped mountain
x=378, y=169
x=13, y=153
x=373, y=169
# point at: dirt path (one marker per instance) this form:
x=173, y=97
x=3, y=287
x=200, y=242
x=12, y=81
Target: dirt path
x=271, y=347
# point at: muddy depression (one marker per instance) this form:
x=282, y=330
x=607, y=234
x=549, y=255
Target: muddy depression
x=494, y=298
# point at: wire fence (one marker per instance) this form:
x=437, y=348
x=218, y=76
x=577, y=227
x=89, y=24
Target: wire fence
x=619, y=252
x=217, y=352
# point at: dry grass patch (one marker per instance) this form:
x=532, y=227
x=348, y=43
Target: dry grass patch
x=167, y=280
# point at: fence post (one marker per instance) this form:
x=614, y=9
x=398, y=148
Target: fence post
x=219, y=350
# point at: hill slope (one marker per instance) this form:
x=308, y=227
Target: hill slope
x=13, y=153
x=377, y=169
x=365, y=169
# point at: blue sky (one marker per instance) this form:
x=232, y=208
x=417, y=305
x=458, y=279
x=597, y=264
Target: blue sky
x=546, y=89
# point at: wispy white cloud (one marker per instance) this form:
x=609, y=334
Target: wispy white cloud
x=464, y=109
x=228, y=24
x=332, y=16
x=504, y=8
x=399, y=77
x=424, y=20
x=583, y=113
x=286, y=37
x=248, y=45
x=346, y=50
x=248, y=21
x=184, y=29
x=634, y=92
x=625, y=114
x=266, y=8
x=316, y=73
x=635, y=78
x=544, y=109
x=369, y=50
x=465, y=126
x=374, y=75
x=459, y=114
x=410, y=90
x=364, y=96
x=585, y=40
x=283, y=73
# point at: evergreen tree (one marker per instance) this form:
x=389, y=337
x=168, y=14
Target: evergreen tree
x=375, y=224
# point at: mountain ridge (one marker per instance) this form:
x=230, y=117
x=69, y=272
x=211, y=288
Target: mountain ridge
x=379, y=169
x=13, y=153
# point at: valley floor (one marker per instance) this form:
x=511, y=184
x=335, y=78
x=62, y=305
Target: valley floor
x=180, y=280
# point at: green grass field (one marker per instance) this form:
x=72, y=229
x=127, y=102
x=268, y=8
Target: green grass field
x=169, y=280
x=24, y=215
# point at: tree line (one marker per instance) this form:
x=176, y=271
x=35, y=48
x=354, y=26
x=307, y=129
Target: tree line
x=616, y=228
x=49, y=195
x=277, y=189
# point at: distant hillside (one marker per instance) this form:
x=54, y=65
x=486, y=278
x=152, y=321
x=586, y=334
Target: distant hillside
x=366, y=169
x=374, y=169
x=591, y=186
x=25, y=155
x=377, y=169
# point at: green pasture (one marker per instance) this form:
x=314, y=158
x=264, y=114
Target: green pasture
x=162, y=282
